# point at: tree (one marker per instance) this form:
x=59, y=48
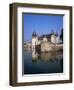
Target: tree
x=61, y=35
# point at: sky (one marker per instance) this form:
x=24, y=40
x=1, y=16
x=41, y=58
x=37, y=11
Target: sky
x=41, y=24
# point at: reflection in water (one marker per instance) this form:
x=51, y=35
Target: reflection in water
x=37, y=63
x=47, y=56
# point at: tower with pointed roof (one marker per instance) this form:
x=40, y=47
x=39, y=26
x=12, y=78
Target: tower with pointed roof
x=53, y=37
x=57, y=37
x=34, y=40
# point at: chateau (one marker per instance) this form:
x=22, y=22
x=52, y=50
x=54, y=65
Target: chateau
x=46, y=42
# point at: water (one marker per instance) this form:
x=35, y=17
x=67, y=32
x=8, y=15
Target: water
x=42, y=63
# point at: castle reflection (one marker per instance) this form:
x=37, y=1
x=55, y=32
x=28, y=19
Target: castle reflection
x=52, y=56
x=43, y=62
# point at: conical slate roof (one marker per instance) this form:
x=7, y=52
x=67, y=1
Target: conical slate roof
x=34, y=34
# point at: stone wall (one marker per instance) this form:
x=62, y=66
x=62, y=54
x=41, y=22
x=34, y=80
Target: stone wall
x=46, y=46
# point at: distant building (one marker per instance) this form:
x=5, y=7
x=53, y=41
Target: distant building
x=27, y=46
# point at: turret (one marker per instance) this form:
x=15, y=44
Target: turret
x=34, y=34
x=44, y=39
x=53, y=37
x=57, y=38
x=34, y=40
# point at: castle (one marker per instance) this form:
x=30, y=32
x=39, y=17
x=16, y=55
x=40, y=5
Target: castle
x=45, y=40
x=44, y=43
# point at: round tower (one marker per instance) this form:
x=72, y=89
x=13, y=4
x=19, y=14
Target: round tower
x=53, y=37
x=57, y=38
x=44, y=39
x=34, y=40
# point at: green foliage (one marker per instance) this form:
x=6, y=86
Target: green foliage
x=61, y=35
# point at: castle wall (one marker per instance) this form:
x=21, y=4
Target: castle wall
x=53, y=39
x=46, y=47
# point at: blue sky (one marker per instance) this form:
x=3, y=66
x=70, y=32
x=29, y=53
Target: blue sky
x=42, y=24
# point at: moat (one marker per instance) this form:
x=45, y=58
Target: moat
x=42, y=63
